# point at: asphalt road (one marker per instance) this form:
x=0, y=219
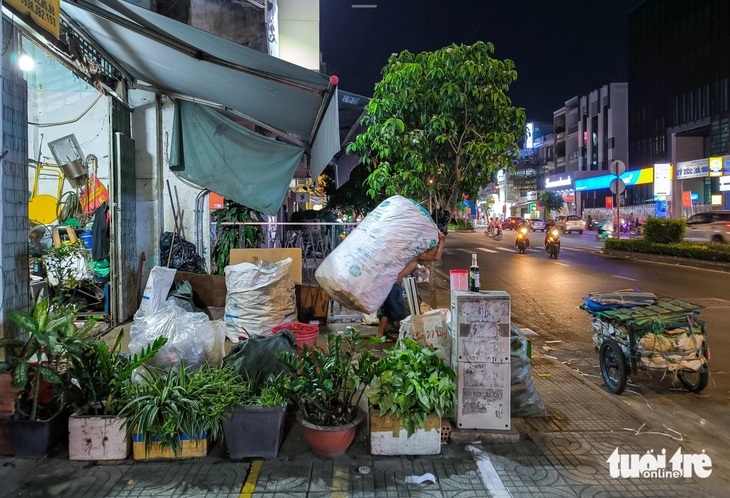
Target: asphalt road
x=546, y=294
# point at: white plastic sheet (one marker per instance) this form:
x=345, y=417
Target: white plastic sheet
x=430, y=329
x=155, y=291
x=191, y=337
x=360, y=272
x=259, y=297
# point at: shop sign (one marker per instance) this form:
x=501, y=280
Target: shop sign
x=715, y=166
x=716, y=200
x=609, y=202
x=631, y=177
x=45, y=13
x=694, y=169
x=531, y=195
x=725, y=184
x=501, y=176
x=662, y=179
x=558, y=181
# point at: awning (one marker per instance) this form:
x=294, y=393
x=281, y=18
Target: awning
x=175, y=58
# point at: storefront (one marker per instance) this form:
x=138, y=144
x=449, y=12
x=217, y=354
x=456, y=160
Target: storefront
x=594, y=191
x=700, y=180
x=563, y=184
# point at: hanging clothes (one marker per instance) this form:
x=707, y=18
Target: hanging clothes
x=100, y=233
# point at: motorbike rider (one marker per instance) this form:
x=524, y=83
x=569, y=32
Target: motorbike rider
x=549, y=228
x=526, y=225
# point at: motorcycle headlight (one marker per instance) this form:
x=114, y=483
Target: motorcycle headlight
x=555, y=233
x=524, y=230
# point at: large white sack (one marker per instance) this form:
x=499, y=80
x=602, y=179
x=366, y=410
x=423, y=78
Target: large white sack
x=360, y=272
x=259, y=297
x=155, y=291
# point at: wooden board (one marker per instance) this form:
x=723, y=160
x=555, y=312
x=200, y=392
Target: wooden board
x=271, y=256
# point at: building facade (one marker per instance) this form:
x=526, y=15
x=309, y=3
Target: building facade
x=679, y=66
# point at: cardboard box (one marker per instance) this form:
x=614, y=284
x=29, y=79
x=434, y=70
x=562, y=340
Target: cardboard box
x=271, y=256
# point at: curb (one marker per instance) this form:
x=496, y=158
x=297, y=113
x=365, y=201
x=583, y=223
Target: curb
x=672, y=260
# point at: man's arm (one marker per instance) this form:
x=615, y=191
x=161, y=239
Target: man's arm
x=433, y=255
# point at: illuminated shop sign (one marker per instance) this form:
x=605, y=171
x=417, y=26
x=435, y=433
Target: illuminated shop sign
x=632, y=177
x=560, y=181
x=662, y=180
x=715, y=166
x=725, y=184
x=693, y=169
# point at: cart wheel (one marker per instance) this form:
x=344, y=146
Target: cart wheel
x=694, y=381
x=613, y=366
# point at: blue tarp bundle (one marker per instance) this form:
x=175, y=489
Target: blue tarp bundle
x=597, y=301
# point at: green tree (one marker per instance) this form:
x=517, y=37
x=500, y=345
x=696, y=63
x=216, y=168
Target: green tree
x=440, y=122
x=552, y=201
x=352, y=197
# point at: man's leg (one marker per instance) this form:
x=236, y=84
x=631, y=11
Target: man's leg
x=383, y=325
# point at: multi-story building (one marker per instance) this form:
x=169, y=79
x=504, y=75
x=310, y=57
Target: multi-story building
x=679, y=68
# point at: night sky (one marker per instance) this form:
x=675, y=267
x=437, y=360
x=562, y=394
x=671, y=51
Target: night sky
x=561, y=49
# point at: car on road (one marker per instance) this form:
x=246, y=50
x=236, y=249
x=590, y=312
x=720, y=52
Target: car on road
x=571, y=223
x=511, y=223
x=710, y=226
x=537, y=225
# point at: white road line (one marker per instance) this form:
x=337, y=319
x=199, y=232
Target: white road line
x=561, y=264
x=487, y=250
x=490, y=477
x=505, y=249
x=625, y=278
x=571, y=249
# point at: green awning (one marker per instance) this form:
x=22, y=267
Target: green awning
x=210, y=149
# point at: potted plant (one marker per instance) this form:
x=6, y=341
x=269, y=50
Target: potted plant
x=40, y=416
x=327, y=385
x=256, y=424
x=94, y=430
x=175, y=414
x=411, y=390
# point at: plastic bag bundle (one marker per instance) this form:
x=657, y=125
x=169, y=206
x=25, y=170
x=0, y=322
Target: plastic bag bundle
x=155, y=291
x=191, y=337
x=360, y=272
x=259, y=297
x=256, y=357
x=525, y=399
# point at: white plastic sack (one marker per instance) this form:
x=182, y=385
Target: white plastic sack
x=360, y=272
x=156, y=290
x=429, y=329
x=191, y=337
x=259, y=297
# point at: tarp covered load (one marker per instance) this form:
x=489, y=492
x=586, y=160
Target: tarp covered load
x=619, y=298
x=360, y=272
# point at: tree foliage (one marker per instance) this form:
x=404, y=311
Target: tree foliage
x=440, y=122
x=352, y=197
x=552, y=201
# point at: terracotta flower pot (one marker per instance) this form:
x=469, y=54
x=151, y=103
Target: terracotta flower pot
x=330, y=441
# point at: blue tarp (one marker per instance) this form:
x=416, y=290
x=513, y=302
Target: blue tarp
x=598, y=301
x=214, y=152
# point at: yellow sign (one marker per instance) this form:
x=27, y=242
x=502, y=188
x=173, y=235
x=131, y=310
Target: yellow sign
x=716, y=200
x=46, y=13
x=715, y=166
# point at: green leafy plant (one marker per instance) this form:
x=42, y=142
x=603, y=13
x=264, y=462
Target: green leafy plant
x=552, y=202
x=234, y=236
x=352, y=197
x=462, y=224
x=692, y=250
x=664, y=231
x=100, y=372
x=440, y=122
x=52, y=342
x=327, y=385
x=165, y=405
x=412, y=382
x=61, y=263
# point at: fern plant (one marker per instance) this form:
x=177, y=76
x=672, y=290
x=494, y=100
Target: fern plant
x=234, y=236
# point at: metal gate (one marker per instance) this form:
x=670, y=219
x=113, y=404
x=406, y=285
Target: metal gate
x=123, y=223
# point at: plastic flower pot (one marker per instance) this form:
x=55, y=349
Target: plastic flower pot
x=330, y=441
x=254, y=431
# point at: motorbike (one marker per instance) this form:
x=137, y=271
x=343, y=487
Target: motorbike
x=523, y=241
x=494, y=230
x=606, y=231
x=552, y=244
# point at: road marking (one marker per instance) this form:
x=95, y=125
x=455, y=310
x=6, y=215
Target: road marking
x=490, y=477
x=561, y=264
x=487, y=250
x=508, y=249
x=340, y=482
x=625, y=278
x=571, y=249
x=250, y=484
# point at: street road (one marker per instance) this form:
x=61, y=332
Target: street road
x=546, y=294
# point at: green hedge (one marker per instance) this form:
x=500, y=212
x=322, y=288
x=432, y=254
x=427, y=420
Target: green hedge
x=691, y=250
x=664, y=231
x=461, y=224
